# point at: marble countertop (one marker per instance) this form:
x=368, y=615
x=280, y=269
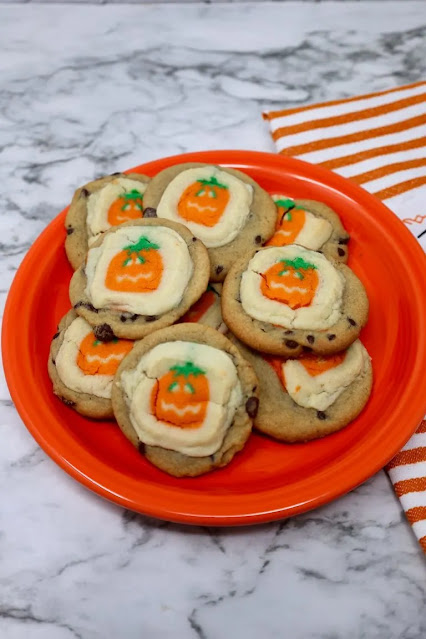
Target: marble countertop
x=87, y=90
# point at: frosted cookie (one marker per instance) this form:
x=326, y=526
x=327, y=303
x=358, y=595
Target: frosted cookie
x=97, y=206
x=313, y=396
x=208, y=309
x=224, y=208
x=82, y=368
x=138, y=277
x=310, y=224
x=281, y=299
x=186, y=398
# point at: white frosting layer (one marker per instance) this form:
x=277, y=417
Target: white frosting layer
x=69, y=371
x=177, y=263
x=323, y=312
x=321, y=391
x=234, y=216
x=225, y=396
x=315, y=232
x=98, y=204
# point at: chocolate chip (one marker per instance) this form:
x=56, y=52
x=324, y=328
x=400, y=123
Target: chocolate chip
x=150, y=212
x=307, y=349
x=288, y=332
x=290, y=343
x=116, y=173
x=86, y=305
x=53, y=362
x=55, y=335
x=341, y=252
x=321, y=415
x=127, y=316
x=70, y=230
x=141, y=448
x=150, y=318
x=311, y=339
x=219, y=269
x=67, y=402
x=104, y=333
x=344, y=240
x=331, y=337
x=254, y=389
x=258, y=239
x=252, y=405
x=84, y=193
x=351, y=321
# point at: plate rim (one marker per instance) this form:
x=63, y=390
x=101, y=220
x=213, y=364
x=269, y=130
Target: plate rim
x=104, y=488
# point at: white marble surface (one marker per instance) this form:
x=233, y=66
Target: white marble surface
x=91, y=90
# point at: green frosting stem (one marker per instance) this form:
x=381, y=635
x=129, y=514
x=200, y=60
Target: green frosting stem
x=285, y=204
x=135, y=195
x=299, y=264
x=211, y=182
x=143, y=244
x=186, y=370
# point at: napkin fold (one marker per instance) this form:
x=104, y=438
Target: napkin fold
x=377, y=140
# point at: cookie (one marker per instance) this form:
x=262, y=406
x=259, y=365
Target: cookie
x=224, y=208
x=82, y=368
x=310, y=397
x=310, y=224
x=281, y=299
x=208, y=309
x=97, y=206
x=138, y=277
x=186, y=398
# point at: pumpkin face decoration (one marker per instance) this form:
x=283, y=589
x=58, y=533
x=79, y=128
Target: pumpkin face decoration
x=316, y=381
x=128, y=206
x=290, y=221
x=290, y=281
x=101, y=358
x=318, y=364
x=137, y=268
x=180, y=397
x=204, y=202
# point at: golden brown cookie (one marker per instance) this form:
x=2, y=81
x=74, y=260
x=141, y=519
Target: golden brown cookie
x=281, y=299
x=82, y=368
x=314, y=381
x=99, y=205
x=186, y=398
x=138, y=277
x=310, y=224
x=223, y=207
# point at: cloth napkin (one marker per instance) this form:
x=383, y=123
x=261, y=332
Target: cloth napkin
x=377, y=140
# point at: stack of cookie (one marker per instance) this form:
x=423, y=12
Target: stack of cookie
x=144, y=341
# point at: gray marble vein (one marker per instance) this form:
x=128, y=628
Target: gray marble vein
x=89, y=90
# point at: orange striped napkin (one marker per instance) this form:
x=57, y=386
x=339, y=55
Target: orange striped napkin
x=378, y=141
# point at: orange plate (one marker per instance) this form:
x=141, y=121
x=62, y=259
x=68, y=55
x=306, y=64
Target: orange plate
x=267, y=480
